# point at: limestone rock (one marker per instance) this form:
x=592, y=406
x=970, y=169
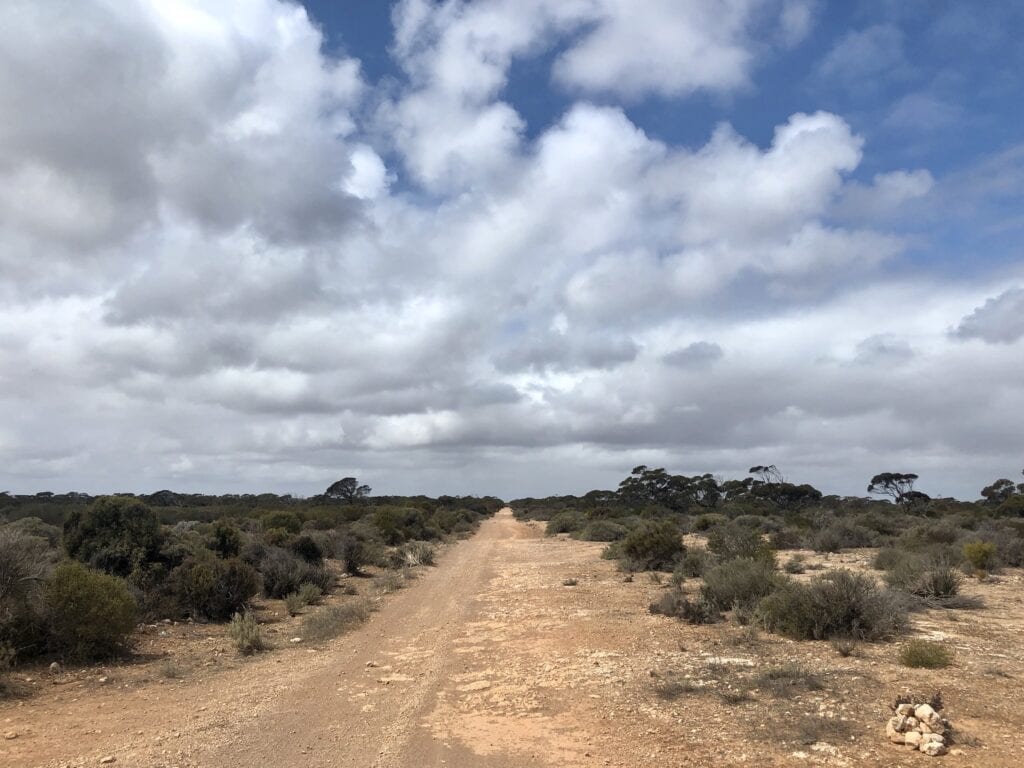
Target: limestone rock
x=913, y=739
x=933, y=748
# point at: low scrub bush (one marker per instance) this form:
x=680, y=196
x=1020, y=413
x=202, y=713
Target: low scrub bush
x=672, y=603
x=603, y=530
x=925, y=654
x=25, y=563
x=89, y=614
x=981, y=555
x=245, y=634
x=564, y=522
x=834, y=604
x=924, y=578
x=839, y=536
x=114, y=534
x=785, y=680
x=284, y=572
x=334, y=620
x=215, y=589
x=652, y=546
x=417, y=553
x=786, y=538
x=730, y=542
x=352, y=552
x=795, y=564
x=306, y=547
x=695, y=562
x=387, y=583
x=739, y=583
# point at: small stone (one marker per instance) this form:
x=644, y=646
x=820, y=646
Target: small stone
x=55, y=668
x=103, y=680
x=925, y=712
x=933, y=748
x=371, y=664
x=890, y=731
x=912, y=739
x=905, y=709
x=295, y=640
x=927, y=738
x=11, y=735
x=108, y=759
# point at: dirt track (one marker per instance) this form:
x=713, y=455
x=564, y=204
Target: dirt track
x=489, y=660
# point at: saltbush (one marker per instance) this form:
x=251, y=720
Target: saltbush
x=244, y=632
x=673, y=603
x=602, y=530
x=283, y=573
x=835, y=604
x=739, y=583
x=925, y=654
x=25, y=563
x=564, y=522
x=652, y=546
x=89, y=614
x=980, y=554
x=730, y=541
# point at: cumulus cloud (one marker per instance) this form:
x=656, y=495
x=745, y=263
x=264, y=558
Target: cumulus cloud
x=230, y=262
x=1000, y=320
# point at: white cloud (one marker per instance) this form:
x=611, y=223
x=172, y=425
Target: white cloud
x=1000, y=320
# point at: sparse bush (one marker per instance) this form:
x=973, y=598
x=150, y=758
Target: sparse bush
x=695, y=562
x=334, y=620
x=838, y=603
x=417, y=553
x=387, y=583
x=786, y=538
x=288, y=521
x=284, y=573
x=310, y=594
x=785, y=680
x=730, y=541
x=352, y=553
x=796, y=564
x=244, y=632
x=739, y=583
x=925, y=654
x=981, y=555
x=89, y=614
x=293, y=604
x=652, y=546
x=930, y=580
x=211, y=588
x=844, y=646
x=672, y=603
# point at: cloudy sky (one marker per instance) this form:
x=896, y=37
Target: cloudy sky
x=509, y=246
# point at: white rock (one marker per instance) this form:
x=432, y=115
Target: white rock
x=912, y=739
x=905, y=709
x=890, y=731
x=933, y=748
x=925, y=712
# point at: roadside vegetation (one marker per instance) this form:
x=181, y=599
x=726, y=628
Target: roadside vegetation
x=743, y=535
x=79, y=574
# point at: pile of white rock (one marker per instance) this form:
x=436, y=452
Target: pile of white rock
x=918, y=727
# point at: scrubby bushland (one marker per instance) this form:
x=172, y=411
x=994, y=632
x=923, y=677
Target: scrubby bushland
x=114, y=534
x=211, y=588
x=602, y=530
x=652, y=546
x=739, y=583
x=284, y=572
x=835, y=604
x=981, y=555
x=840, y=535
x=89, y=615
x=289, y=522
x=700, y=611
x=226, y=539
x=929, y=577
x=244, y=632
x=564, y=522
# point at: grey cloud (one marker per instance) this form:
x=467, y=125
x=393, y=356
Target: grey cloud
x=564, y=352
x=1000, y=320
x=699, y=354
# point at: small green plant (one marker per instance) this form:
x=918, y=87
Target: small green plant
x=310, y=594
x=785, y=680
x=293, y=604
x=925, y=654
x=981, y=555
x=244, y=632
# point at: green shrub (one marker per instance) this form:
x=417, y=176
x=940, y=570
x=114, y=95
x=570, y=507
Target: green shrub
x=786, y=538
x=334, y=620
x=695, y=562
x=283, y=573
x=226, y=540
x=980, y=554
x=564, y=522
x=603, y=530
x=925, y=654
x=289, y=521
x=672, y=603
x=33, y=526
x=739, y=583
x=730, y=541
x=293, y=604
x=244, y=632
x=310, y=594
x=651, y=546
x=306, y=547
x=417, y=553
x=211, y=588
x=835, y=604
x=89, y=614
x=839, y=536
x=352, y=552
x=115, y=534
